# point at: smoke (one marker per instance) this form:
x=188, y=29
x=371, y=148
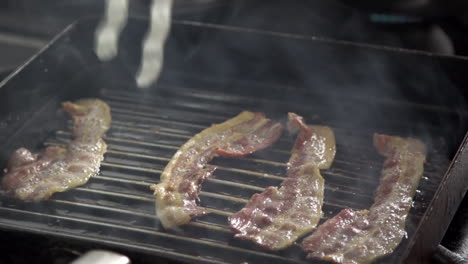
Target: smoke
x=356, y=88
x=275, y=57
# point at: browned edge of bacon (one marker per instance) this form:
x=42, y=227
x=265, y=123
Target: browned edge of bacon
x=180, y=183
x=357, y=237
x=277, y=217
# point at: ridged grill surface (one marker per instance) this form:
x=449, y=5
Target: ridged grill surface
x=117, y=208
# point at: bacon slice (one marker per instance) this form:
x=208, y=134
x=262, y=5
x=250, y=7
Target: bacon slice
x=35, y=177
x=353, y=237
x=177, y=193
x=275, y=218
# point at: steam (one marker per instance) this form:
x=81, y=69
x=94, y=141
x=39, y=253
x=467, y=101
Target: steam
x=107, y=33
x=357, y=91
x=152, y=58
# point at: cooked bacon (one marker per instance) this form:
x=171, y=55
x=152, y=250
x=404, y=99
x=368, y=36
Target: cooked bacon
x=353, y=237
x=177, y=193
x=35, y=177
x=275, y=218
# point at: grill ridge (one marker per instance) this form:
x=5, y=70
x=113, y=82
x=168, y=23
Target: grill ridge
x=117, y=206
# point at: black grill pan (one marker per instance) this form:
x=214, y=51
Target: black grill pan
x=212, y=73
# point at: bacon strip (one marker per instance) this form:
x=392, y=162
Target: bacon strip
x=353, y=237
x=35, y=177
x=275, y=218
x=177, y=194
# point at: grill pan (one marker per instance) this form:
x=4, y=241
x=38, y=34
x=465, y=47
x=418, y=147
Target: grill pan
x=212, y=73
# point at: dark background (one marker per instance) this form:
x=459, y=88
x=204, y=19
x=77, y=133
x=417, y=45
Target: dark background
x=26, y=25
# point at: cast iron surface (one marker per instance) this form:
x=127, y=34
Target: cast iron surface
x=457, y=235
x=454, y=248
x=211, y=74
